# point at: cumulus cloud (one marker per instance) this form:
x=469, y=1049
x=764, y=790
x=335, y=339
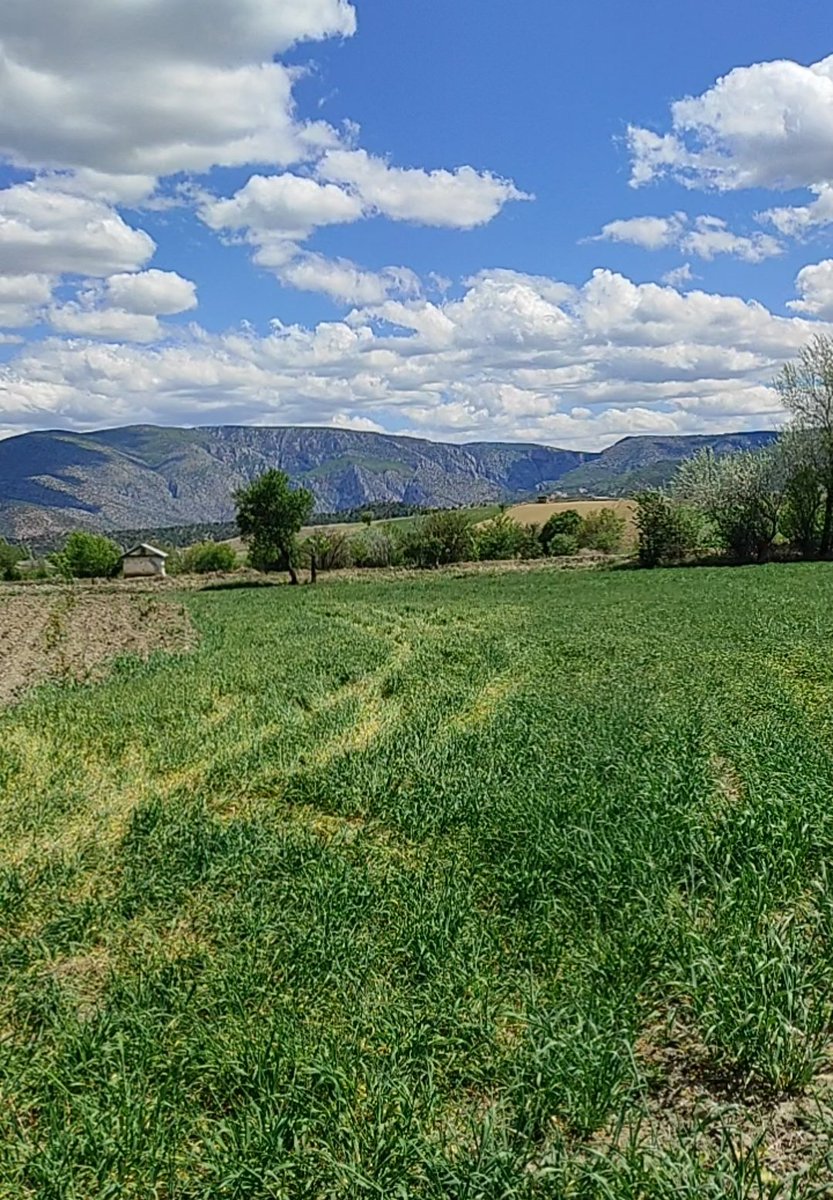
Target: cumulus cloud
x=460, y=199
x=711, y=236
x=798, y=220
x=768, y=125
x=651, y=233
x=47, y=231
x=105, y=101
x=514, y=357
x=343, y=281
x=151, y=293
x=705, y=236
x=120, y=88
x=21, y=298
x=284, y=204
x=814, y=283
x=113, y=324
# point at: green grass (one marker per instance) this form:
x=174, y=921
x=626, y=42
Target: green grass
x=417, y=889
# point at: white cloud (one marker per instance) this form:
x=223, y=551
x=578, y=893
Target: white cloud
x=151, y=293
x=651, y=233
x=114, y=324
x=814, y=283
x=98, y=185
x=152, y=88
x=679, y=277
x=459, y=199
x=21, y=298
x=711, y=236
x=767, y=125
x=285, y=204
x=42, y=230
x=795, y=221
x=514, y=357
x=707, y=237
x=343, y=281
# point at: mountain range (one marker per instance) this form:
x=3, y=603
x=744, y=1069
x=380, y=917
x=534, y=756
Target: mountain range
x=151, y=476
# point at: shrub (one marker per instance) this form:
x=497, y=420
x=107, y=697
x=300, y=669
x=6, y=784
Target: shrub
x=376, y=548
x=441, y=538
x=530, y=546
x=666, y=531
x=209, y=556
x=603, y=530
x=500, y=538
x=567, y=523
x=332, y=550
x=563, y=544
x=10, y=556
x=88, y=556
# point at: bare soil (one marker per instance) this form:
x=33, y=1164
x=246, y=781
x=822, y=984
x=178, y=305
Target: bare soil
x=71, y=633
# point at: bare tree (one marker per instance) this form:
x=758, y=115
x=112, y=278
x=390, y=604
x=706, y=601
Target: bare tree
x=806, y=390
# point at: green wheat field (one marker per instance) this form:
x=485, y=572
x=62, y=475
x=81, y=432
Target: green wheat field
x=487, y=887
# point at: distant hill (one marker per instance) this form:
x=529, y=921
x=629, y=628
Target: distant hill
x=146, y=476
x=635, y=463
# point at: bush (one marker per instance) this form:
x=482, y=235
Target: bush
x=441, y=538
x=500, y=538
x=88, y=556
x=566, y=523
x=603, y=530
x=530, y=546
x=208, y=556
x=332, y=550
x=563, y=544
x=667, y=531
x=10, y=556
x=376, y=548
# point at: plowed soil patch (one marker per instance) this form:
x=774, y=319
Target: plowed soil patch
x=74, y=635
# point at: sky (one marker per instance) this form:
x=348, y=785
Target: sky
x=455, y=219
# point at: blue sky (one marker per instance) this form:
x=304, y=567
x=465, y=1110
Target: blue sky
x=560, y=223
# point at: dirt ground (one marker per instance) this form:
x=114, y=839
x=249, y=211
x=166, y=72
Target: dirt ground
x=69, y=633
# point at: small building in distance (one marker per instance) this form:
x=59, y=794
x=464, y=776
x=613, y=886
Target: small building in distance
x=142, y=561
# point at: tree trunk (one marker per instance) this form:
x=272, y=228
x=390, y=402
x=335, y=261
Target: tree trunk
x=293, y=575
x=313, y=569
x=827, y=528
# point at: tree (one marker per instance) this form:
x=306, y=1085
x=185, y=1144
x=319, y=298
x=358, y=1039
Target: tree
x=561, y=524
x=88, y=556
x=666, y=532
x=801, y=517
x=269, y=515
x=740, y=494
x=806, y=390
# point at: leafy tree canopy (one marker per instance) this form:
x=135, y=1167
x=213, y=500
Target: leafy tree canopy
x=269, y=515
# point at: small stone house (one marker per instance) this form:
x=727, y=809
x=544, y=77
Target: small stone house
x=142, y=561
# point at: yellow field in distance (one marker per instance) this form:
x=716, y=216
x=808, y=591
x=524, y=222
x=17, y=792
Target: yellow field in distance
x=537, y=514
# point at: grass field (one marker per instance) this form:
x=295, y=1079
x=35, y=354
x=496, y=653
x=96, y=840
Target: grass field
x=506, y=886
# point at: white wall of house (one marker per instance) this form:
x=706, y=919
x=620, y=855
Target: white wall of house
x=135, y=567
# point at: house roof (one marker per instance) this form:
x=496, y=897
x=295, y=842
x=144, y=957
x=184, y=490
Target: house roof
x=143, y=550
